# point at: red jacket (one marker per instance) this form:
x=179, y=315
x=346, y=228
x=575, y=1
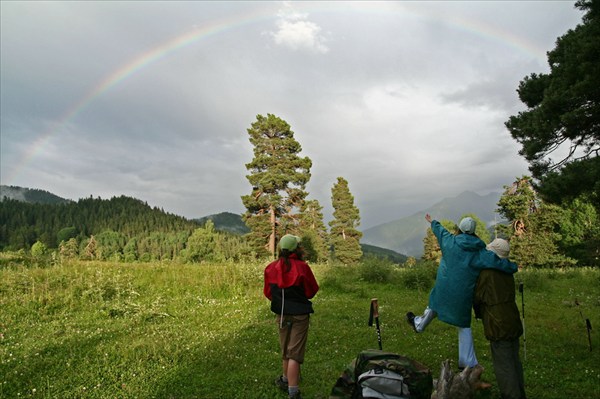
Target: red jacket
x=290, y=290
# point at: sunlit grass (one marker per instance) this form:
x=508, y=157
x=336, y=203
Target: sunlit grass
x=168, y=330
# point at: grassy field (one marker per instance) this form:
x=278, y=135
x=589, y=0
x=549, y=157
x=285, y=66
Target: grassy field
x=107, y=330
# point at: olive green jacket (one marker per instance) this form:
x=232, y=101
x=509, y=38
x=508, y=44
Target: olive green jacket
x=494, y=303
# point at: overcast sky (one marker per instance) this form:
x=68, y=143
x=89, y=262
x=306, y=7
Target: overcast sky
x=405, y=100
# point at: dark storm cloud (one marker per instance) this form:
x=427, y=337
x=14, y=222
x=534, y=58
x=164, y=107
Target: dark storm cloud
x=384, y=94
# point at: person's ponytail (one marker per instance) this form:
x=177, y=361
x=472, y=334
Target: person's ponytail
x=285, y=254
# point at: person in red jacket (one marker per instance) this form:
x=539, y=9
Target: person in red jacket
x=289, y=285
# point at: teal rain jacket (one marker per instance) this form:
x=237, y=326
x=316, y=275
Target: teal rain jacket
x=463, y=257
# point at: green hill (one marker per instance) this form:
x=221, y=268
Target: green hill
x=226, y=222
x=23, y=223
x=30, y=195
x=379, y=252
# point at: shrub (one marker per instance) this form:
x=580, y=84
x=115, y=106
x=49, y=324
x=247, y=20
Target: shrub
x=38, y=249
x=420, y=277
x=376, y=270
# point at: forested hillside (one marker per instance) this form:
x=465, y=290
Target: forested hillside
x=23, y=223
x=122, y=228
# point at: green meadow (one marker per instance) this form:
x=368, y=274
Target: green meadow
x=170, y=330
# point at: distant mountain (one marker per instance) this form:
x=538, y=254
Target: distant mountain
x=30, y=195
x=226, y=221
x=406, y=235
x=232, y=223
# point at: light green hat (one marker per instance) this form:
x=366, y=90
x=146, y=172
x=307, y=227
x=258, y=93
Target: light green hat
x=289, y=242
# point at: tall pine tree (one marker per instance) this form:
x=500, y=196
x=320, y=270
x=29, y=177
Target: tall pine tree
x=559, y=132
x=344, y=236
x=278, y=176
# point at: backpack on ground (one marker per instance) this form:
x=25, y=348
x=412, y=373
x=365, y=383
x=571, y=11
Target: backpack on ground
x=383, y=375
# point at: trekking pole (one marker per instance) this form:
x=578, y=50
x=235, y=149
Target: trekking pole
x=588, y=325
x=523, y=313
x=375, y=314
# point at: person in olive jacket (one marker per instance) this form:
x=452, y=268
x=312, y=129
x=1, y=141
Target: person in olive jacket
x=289, y=285
x=494, y=303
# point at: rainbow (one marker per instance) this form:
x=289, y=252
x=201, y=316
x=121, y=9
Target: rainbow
x=223, y=25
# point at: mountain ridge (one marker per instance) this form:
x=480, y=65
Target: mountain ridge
x=406, y=235
x=403, y=236
x=33, y=195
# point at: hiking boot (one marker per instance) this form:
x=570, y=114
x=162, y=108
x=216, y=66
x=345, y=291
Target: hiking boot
x=410, y=319
x=296, y=396
x=281, y=384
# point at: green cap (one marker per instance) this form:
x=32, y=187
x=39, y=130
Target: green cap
x=289, y=242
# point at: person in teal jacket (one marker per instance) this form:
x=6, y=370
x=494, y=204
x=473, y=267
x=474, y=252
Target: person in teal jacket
x=463, y=256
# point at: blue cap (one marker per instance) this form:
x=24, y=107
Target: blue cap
x=467, y=225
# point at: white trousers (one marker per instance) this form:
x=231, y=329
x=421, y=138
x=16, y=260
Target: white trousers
x=466, y=348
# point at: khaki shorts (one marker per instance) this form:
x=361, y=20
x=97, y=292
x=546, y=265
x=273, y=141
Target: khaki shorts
x=292, y=336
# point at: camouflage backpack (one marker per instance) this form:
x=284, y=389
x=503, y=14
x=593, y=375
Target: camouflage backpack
x=379, y=374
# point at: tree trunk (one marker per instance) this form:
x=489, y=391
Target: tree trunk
x=273, y=233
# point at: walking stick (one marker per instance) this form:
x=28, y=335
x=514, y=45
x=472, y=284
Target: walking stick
x=588, y=325
x=375, y=314
x=523, y=312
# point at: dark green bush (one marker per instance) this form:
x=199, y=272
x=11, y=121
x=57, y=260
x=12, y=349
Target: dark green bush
x=420, y=277
x=376, y=270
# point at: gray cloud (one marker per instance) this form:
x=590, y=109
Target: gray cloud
x=406, y=100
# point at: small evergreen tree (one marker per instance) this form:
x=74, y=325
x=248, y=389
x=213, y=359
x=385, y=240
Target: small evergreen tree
x=109, y=245
x=344, y=236
x=38, y=249
x=69, y=249
x=130, y=253
x=90, y=250
x=431, y=248
x=411, y=261
x=313, y=231
x=202, y=244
